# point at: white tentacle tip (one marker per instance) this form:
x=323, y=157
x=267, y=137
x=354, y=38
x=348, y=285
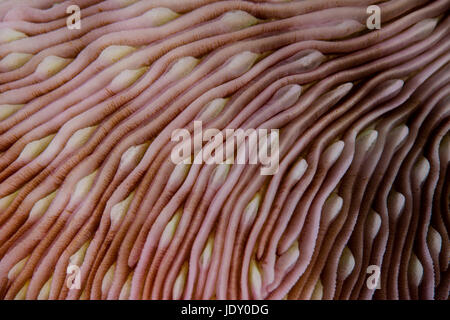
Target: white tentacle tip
x=255, y=280
x=299, y=169
x=14, y=61
x=34, y=148
x=182, y=67
x=287, y=95
x=444, y=147
x=426, y=26
x=159, y=16
x=238, y=19
x=373, y=224
x=333, y=152
x=115, y=53
x=7, y=200
x=14, y=271
x=8, y=35
x=366, y=140
x=170, y=229
x=346, y=264
x=241, y=62
x=421, y=170
x=119, y=210
x=179, y=173
x=398, y=134
x=434, y=240
x=41, y=207
x=318, y=291
x=44, y=293
x=8, y=109
x=415, y=270
x=133, y=155
x=396, y=203
x=80, y=137
x=221, y=172
x=51, y=65
x=212, y=109
x=108, y=279
x=126, y=78
x=331, y=208
x=82, y=188
x=22, y=294
x=78, y=257
x=206, y=255
x=126, y=3
x=180, y=282
x=251, y=210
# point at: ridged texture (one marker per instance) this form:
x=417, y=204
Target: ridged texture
x=86, y=177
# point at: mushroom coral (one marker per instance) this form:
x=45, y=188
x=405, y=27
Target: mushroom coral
x=93, y=207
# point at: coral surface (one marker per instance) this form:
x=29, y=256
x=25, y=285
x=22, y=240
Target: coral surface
x=354, y=93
